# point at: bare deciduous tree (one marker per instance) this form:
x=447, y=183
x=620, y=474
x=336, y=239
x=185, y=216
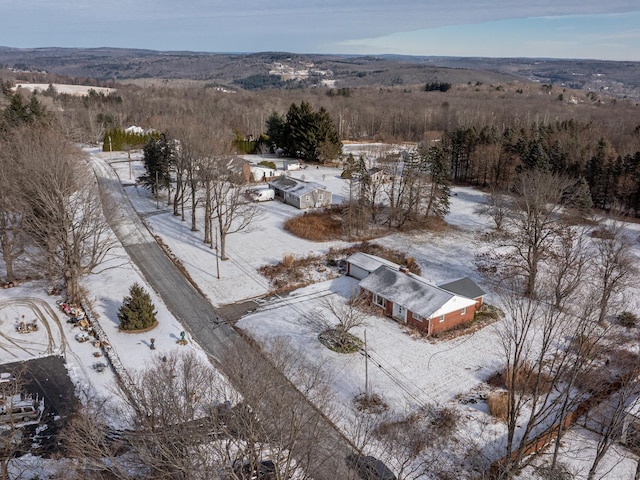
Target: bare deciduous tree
x=345, y=316
x=11, y=215
x=497, y=208
x=228, y=206
x=532, y=227
x=63, y=212
x=614, y=265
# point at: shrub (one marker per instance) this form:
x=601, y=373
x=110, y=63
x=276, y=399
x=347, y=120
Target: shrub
x=498, y=403
x=372, y=403
x=268, y=164
x=628, y=319
x=288, y=259
x=602, y=233
x=526, y=378
x=137, y=311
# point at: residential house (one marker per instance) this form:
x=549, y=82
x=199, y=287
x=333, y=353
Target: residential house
x=410, y=299
x=299, y=193
x=249, y=171
x=260, y=173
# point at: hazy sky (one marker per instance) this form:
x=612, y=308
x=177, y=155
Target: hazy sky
x=601, y=29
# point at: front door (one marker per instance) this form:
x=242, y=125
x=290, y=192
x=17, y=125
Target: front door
x=400, y=313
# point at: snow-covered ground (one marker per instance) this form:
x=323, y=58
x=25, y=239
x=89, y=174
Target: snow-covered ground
x=64, y=88
x=407, y=370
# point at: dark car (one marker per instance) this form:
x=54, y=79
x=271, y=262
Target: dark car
x=370, y=468
x=265, y=470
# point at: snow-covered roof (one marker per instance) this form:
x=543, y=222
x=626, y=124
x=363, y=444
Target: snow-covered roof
x=134, y=129
x=464, y=287
x=413, y=292
x=294, y=186
x=255, y=166
x=370, y=263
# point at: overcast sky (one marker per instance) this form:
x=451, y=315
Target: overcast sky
x=599, y=29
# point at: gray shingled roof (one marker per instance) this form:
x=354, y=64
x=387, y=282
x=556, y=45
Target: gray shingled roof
x=464, y=287
x=294, y=186
x=370, y=262
x=406, y=289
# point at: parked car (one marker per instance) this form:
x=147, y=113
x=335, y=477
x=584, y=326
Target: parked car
x=261, y=194
x=264, y=470
x=370, y=468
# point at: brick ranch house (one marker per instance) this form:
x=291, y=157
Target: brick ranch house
x=410, y=299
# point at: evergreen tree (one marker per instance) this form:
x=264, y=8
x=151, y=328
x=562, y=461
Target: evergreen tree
x=434, y=160
x=328, y=145
x=301, y=134
x=137, y=311
x=19, y=112
x=350, y=165
x=158, y=158
x=276, y=131
x=305, y=133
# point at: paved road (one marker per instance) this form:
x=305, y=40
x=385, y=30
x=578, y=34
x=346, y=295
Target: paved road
x=318, y=441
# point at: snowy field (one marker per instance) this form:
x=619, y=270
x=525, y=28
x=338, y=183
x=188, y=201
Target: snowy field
x=79, y=90
x=407, y=370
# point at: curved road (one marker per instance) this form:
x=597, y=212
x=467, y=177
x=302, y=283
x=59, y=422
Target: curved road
x=318, y=442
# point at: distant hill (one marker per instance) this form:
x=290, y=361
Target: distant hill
x=287, y=70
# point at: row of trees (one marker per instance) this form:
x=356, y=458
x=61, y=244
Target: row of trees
x=198, y=163
x=49, y=206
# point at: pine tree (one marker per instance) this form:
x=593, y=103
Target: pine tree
x=137, y=311
x=276, y=131
x=158, y=157
x=305, y=133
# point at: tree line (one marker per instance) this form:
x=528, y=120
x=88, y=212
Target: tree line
x=492, y=158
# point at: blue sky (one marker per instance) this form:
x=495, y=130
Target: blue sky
x=602, y=29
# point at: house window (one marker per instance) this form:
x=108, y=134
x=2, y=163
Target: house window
x=441, y=318
x=463, y=311
x=379, y=300
x=417, y=317
x=307, y=198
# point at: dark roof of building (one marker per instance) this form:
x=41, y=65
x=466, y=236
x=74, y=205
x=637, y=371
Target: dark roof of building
x=294, y=186
x=464, y=287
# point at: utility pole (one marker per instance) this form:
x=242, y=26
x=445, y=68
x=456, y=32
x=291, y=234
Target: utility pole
x=157, y=192
x=130, y=171
x=217, y=261
x=366, y=367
